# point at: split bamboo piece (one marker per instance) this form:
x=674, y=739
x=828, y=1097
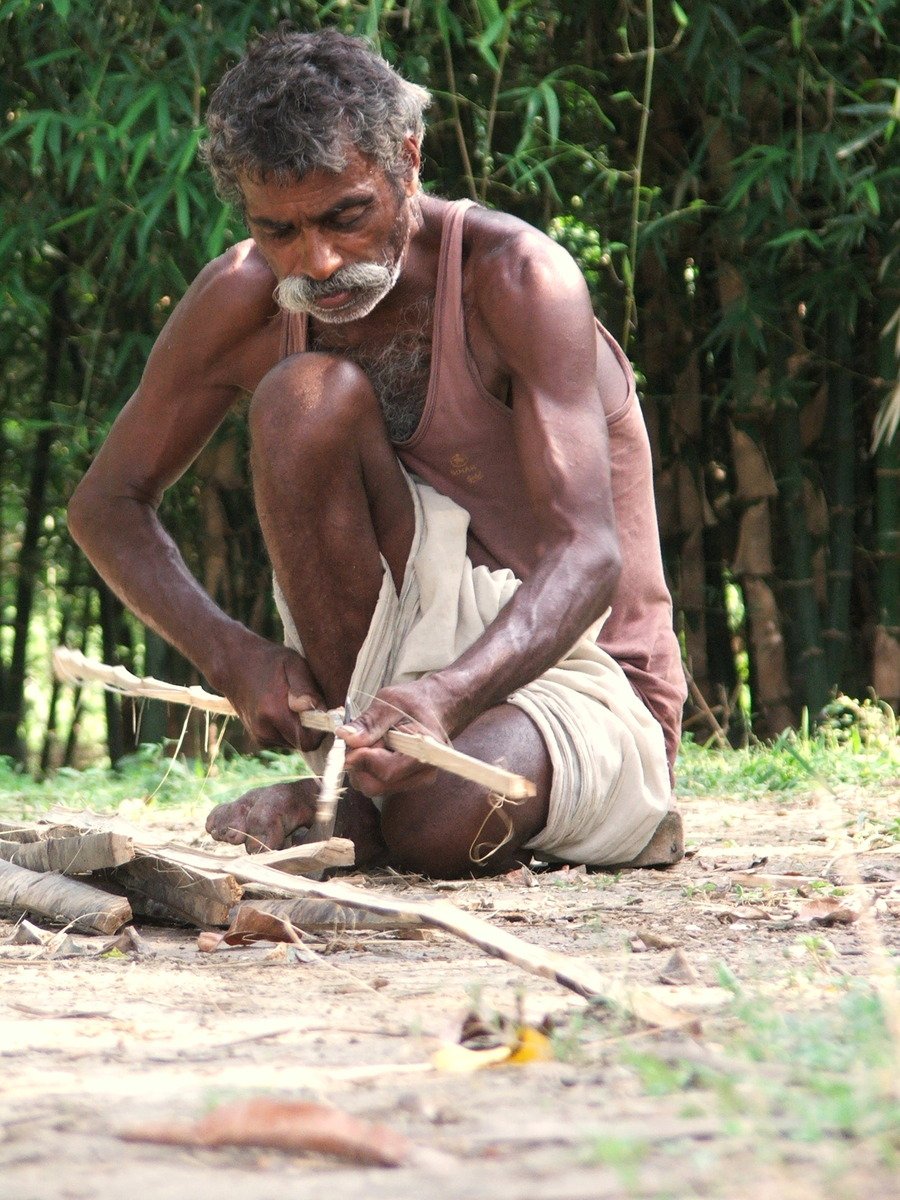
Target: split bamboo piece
x=78, y=855
x=73, y=667
x=430, y=751
x=61, y=899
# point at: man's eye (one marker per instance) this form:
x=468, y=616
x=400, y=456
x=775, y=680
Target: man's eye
x=347, y=219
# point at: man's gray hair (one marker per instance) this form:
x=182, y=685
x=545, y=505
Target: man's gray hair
x=296, y=102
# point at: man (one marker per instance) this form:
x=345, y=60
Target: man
x=381, y=332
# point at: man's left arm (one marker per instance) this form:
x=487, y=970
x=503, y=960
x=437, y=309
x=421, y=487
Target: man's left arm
x=533, y=305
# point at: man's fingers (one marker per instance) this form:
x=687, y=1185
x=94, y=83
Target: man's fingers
x=374, y=771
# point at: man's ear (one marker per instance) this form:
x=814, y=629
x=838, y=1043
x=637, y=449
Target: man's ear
x=412, y=153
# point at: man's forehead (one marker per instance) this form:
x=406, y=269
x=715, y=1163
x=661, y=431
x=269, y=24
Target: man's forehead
x=319, y=188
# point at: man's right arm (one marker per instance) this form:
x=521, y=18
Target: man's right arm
x=218, y=342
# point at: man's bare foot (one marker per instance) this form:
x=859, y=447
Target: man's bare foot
x=265, y=818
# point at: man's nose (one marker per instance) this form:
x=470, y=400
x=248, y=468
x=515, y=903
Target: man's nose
x=317, y=258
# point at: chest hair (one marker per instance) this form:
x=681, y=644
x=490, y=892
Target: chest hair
x=398, y=369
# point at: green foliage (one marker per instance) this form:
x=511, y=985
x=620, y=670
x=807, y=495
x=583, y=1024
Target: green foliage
x=145, y=780
x=864, y=751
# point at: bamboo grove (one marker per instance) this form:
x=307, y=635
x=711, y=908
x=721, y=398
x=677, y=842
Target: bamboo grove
x=725, y=173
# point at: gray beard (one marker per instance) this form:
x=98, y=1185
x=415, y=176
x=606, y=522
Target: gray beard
x=398, y=371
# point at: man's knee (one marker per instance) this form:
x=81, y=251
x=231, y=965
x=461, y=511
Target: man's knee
x=323, y=397
x=475, y=841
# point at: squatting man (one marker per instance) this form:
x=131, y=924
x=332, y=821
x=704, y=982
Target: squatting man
x=450, y=471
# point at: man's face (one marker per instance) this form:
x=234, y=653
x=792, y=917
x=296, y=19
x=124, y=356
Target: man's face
x=335, y=243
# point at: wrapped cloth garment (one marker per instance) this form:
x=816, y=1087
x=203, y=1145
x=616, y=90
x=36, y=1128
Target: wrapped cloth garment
x=610, y=784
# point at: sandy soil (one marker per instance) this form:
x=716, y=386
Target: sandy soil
x=91, y=1045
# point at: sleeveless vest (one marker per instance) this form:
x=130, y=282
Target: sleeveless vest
x=463, y=446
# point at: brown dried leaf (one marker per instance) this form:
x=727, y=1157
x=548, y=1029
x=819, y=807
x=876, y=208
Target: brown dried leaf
x=655, y=941
x=678, y=970
x=833, y=910
x=249, y=925
x=292, y=1126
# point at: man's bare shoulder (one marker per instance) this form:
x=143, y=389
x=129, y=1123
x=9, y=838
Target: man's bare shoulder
x=525, y=292
x=227, y=314
x=507, y=255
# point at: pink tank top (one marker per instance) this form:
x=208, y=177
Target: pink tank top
x=463, y=447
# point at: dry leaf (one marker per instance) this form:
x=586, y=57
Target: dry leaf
x=833, y=910
x=129, y=941
x=533, y=1046
x=678, y=970
x=460, y=1060
x=655, y=941
x=292, y=1126
x=249, y=925
x=747, y=912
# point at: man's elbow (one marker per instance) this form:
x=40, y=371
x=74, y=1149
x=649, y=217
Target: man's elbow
x=606, y=570
x=84, y=514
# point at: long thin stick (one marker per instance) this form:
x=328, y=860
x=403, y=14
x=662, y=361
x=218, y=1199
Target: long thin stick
x=74, y=667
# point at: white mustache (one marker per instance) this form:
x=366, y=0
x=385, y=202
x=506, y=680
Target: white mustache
x=296, y=293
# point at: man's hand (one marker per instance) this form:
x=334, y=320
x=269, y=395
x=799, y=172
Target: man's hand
x=270, y=685
x=373, y=769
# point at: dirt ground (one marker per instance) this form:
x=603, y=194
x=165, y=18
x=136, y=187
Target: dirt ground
x=91, y=1045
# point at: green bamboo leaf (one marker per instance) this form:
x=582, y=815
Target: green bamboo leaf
x=182, y=209
x=35, y=64
x=163, y=120
x=141, y=150
x=62, y=7
x=153, y=206
x=99, y=160
x=135, y=108
x=54, y=140
x=75, y=168
x=489, y=11
x=75, y=218
x=38, y=134
x=214, y=240
x=7, y=240
x=791, y=236
x=796, y=31
x=189, y=153
x=551, y=107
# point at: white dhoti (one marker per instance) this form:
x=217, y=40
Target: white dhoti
x=610, y=784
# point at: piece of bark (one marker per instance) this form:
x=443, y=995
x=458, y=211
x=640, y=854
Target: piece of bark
x=311, y=857
x=15, y=831
x=69, y=901
x=200, y=897
x=317, y=916
x=292, y=1126
x=80, y=855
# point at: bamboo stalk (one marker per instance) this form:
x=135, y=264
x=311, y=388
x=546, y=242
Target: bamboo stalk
x=798, y=570
x=842, y=503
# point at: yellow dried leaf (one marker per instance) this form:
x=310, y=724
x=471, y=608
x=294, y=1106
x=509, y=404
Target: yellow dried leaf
x=533, y=1046
x=459, y=1060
